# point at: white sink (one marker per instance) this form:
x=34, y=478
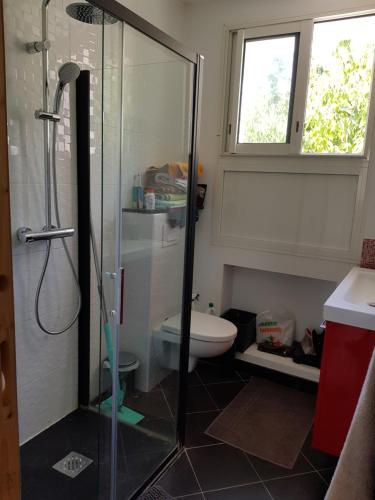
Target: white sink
x=350, y=302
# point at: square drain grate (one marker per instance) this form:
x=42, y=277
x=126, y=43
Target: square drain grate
x=73, y=464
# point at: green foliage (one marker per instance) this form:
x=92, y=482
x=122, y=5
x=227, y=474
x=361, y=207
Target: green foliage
x=337, y=105
x=266, y=121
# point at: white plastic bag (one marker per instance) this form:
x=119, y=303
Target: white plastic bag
x=276, y=328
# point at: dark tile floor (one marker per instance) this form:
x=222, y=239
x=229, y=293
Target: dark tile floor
x=141, y=449
x=208, y=469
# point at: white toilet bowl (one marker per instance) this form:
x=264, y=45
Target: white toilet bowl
x=209, y=336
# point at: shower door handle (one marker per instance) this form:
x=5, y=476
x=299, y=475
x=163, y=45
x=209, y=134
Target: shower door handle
x=122, y=293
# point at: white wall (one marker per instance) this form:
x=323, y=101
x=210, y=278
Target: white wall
x=167, y=15
x=257, y=291
x=204, y=31
x=47, y=367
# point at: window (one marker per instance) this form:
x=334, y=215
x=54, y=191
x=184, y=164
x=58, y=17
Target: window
x=301, y=87
x=267, y=87
x=339, y=86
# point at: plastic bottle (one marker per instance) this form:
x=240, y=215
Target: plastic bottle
x=137, y=192
x=150, y=199
x=211, y=309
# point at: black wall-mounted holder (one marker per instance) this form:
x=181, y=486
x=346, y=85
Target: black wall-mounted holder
x=84, y=255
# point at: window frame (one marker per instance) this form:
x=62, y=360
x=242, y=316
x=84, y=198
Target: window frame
x=233, y=79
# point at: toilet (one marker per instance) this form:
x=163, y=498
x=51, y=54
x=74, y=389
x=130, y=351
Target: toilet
x=209, y=336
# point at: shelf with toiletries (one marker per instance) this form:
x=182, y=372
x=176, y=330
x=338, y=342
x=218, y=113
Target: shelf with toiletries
x=164, y=188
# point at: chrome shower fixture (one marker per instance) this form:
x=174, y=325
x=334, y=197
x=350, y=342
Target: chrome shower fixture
x=89, y=14
x=34, y=47
x=68, y=73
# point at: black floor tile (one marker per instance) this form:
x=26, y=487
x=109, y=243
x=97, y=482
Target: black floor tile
x=149, y=403
x=179, y=479
x=221, y=466
x=210, y=373
x=244, y=374
x=223, y=393
x=198, y=400
x=251, y=491
x=78, y=432
x=327, y=474
x=137, y=469
x=305, y=487
x=47, y=484
x=193, y=497
x=152, y=434
x=141, y=449
x=196, y=424
x=268, y=470
x=319, y=459
x=172, y=381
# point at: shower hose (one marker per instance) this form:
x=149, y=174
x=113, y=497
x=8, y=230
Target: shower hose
x=48, y=252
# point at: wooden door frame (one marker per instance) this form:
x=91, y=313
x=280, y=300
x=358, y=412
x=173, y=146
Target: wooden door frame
x=9, y=440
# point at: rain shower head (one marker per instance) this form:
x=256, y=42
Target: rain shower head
x=90, y=14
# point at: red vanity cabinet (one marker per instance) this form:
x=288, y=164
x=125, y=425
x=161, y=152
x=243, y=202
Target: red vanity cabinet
x=346, y=356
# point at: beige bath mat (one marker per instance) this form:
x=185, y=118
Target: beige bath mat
x=267, y=420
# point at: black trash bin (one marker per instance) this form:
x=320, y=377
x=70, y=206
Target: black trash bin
x=246, y=327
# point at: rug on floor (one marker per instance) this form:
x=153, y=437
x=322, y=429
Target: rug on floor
x=268, y=420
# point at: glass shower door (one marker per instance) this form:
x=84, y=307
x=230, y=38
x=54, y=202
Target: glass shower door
x=155, y=129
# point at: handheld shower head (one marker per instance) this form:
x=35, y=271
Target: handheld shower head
x=68, y=73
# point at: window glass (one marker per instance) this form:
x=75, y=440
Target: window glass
x=339, y=86
x=267, y=89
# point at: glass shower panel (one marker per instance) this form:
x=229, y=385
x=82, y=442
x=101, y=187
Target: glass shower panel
x=108, y=220
x=156, y=140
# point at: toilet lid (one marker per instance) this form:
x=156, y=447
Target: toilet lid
x=203, y=327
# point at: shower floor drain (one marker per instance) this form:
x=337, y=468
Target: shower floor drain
x=73, y=464
x=155, y=493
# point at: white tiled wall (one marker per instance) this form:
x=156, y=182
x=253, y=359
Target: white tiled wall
x=47, y=366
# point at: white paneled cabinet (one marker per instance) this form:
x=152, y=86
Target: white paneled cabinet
x=305, y=207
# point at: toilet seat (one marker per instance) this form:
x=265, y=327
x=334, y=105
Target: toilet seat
x=204, y=327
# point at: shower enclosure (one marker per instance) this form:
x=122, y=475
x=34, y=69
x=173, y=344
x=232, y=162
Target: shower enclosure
x=149, y=132
x=132, y=116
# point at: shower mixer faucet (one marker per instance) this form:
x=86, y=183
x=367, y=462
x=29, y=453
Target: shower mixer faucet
x=27, y=235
